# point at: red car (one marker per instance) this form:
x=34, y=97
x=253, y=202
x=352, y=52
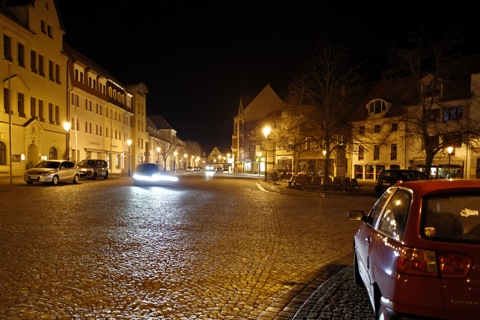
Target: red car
x=417, y=252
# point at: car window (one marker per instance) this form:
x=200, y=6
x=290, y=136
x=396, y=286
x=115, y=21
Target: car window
x=377, y=209
x=50, y=165
x=392, y=222
x=455, y=217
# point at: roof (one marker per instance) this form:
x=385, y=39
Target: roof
x=158, y=122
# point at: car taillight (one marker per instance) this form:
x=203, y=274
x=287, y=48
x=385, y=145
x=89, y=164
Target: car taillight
x=429, y=263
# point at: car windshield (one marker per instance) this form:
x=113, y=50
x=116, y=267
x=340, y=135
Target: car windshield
x=48, y=164
x=147, y=168
x=90, y=163
x=453, y=217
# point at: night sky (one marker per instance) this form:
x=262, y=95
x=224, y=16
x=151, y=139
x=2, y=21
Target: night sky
x=197, y=59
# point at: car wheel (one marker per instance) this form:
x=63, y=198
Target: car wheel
x=356, y=272
x=76, y=178
x=106, y=176
x=55, y=180
x=94, y=177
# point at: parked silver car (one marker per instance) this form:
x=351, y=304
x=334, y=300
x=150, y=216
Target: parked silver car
x=52, y=171
x=93, y=168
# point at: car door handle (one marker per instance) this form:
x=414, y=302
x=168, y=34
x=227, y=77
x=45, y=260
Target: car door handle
x=368, y=239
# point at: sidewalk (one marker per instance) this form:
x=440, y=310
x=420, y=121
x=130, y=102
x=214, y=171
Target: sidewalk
x=366, y=189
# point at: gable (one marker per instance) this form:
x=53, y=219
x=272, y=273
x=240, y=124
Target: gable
x=265, y=102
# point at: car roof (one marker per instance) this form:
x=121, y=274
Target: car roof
x=425, y=187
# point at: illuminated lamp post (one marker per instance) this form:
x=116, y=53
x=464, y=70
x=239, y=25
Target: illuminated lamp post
x=158, y=155
x=449, y=151
x=129, y=142
x=66, y=126
x=325, y=163
x=266, y=131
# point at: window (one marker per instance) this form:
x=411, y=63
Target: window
x=452, y=139
x=394, y=126
x=394, y=217
x=33, y=61
x=50, y=113
x=6, y=100
x=361, y=153
x=7, y=48
x=33, y=109
x=376, y=152
x=41, y=70
x=40, y=110
x=361, y=130
x=393, y=152
x=377, y=128
x=57, y=114
x=377, y=106
x=3, y=153
x=57, y=73
x=433, y=115
x=51, y=70
x=450, y=114
x=21, y=104
x=21, y=55
x=52, y=154
x=43, y=27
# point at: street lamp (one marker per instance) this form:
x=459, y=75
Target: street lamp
x=266, y=131
x=449, y=151
x=66, y=126
x=129, y=142
x=324, y=163
x=158, y=153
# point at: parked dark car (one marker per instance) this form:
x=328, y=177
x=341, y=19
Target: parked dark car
x=417, y=252
x=93, y=168
x=148, y=174
x=391, y=177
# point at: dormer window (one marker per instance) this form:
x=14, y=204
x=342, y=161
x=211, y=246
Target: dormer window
x=377, y=106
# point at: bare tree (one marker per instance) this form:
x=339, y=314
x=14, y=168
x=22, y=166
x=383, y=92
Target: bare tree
x=441, y=117
x=166, y=150
x=320, y=93
x=289, y=136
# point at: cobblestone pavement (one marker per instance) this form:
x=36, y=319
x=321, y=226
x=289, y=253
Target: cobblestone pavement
x=332, y=294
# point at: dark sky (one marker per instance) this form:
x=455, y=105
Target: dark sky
x=198, y=58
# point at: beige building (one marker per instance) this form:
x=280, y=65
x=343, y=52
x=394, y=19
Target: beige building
x=33, y=70
x=101, y=114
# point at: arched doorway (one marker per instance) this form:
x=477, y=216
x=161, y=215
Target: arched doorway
x=32, y=156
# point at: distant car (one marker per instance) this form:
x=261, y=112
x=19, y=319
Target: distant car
x=417, y=252
x=189, y=169
x=219, y=169
x=196, y=168
x=209, y=167
x=93, y=168
x=52, y=171
x=388, y=178
x=150, y=174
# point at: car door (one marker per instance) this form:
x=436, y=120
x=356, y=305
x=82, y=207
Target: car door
x=364, y=238
x=66, y=171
